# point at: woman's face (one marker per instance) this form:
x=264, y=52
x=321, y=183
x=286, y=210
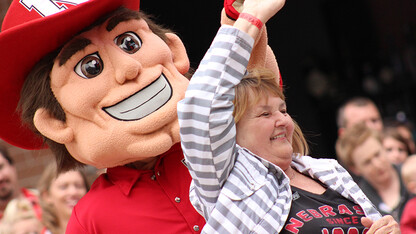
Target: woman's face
x=371, y=163
x=65, y=191
x=395, y=150
x=266, y=129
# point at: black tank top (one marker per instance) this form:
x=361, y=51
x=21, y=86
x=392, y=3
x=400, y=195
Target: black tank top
x=327, y=213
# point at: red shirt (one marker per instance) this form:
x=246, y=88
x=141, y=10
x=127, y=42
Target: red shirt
x=126, y=200
x=408, y=219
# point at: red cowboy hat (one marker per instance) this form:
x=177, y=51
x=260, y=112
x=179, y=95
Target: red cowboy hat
x=30, y=30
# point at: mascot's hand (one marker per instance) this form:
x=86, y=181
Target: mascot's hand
x=233, y=8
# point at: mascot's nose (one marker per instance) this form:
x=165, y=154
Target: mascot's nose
x=126, y=67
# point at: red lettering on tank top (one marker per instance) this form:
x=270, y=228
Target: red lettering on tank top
x=355, y=220
x=314, y=213
x=327, y=211
x=294, y=225
x=353, y=230
x=337, y=230
x=339, y=220
x=343, y=209
x=304, y=216
x=358, y=210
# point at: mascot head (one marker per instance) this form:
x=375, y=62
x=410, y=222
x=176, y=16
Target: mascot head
x=96, y=80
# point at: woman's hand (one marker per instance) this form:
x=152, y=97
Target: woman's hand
x=263, y=9
x=260, y=9
x=384, y=225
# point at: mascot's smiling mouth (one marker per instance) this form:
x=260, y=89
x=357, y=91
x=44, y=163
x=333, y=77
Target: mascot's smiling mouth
x=142, y=103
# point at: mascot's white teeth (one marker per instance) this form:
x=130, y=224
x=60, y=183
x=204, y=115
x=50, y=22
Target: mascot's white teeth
x=142, y=103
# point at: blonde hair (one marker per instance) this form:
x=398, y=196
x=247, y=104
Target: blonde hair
x=260, y=83
x=49, y=215
x=351, y=139
x=17, y=209
x=408, y=170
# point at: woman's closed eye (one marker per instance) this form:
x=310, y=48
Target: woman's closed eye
x=264, y=114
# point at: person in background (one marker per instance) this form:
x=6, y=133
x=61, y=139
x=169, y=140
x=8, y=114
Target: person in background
x=356, y=110
x=408, y=173
x=395, y=145
x=360, y=149
x=20, y=218
x=59, y=193
x=406, y=129
x=9, y=184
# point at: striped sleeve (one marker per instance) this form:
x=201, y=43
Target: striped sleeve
x=207, y=126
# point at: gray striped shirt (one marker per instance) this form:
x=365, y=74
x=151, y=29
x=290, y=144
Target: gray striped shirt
x=235, y=190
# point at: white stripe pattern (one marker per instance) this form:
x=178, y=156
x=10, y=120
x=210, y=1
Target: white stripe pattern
x=236, y=191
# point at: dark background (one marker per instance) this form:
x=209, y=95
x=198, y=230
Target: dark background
x=328, y=51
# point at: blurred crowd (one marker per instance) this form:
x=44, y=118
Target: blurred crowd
x=380, y=154
x=45, y=208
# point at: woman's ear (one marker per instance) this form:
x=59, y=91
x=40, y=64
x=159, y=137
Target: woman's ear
x=51, y=127
x=180, y=57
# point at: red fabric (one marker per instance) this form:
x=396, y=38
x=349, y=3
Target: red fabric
x=126, y=200
x=33, y=198
x=230, y=10
x=408, y=219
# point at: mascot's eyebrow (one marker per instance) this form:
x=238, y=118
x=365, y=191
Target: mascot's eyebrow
x=122, y=17
x=80, y=43
x=71, y=48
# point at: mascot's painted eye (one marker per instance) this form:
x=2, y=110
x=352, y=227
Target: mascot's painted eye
x=129, y=42
x=90, y=66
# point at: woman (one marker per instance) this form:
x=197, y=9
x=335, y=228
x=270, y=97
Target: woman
x=395, y=146
x=244, y=171
x=59, y=193
x=406, y=129
x=361, y=150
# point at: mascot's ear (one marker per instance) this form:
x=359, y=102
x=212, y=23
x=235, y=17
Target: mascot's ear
x=180, y=58
x=51, y=127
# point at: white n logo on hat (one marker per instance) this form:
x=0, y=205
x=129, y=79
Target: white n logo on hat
x=48, y=7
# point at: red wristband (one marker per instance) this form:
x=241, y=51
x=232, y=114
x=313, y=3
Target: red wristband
x=253, y=20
